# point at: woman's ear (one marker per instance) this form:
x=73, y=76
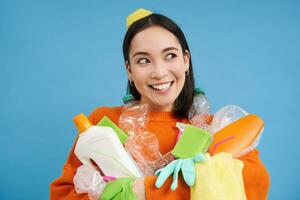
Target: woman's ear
x=186, y=57
x=128, y=70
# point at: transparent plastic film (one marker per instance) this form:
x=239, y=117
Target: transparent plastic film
x=199, y=114
x=88, y=180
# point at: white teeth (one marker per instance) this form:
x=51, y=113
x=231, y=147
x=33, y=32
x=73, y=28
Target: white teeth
x=162, y=86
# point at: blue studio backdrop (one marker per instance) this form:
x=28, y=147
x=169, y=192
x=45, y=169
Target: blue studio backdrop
x=60, y=58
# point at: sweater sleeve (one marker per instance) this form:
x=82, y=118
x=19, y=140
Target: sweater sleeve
x=255, y=175
x=63, y=187
x=182, y=191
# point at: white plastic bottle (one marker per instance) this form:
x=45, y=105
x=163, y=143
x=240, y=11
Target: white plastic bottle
x=102, y=145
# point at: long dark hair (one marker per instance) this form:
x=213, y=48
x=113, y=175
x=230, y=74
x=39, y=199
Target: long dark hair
x=185, y=98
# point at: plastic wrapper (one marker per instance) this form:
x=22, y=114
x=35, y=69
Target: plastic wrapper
x=219, y=177
x=88, y=180
x=199, y=112
x=225, y=116
x=200, y=105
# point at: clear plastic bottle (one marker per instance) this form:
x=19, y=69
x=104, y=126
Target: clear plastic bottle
x=141, y=144
x=134, y=115
x=199, y=114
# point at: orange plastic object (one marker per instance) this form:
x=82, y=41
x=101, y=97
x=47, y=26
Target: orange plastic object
x=237, y=136
x=82, y=122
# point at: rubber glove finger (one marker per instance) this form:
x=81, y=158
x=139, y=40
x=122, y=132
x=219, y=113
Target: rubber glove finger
x=164, y=173
x=175, y=175
x=188, y=171
x=200, y=157
x=113, y=188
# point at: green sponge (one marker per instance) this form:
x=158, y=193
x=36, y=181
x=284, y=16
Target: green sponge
x=105, y=121
x=192, y=141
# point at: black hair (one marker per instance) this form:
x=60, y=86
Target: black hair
x=185, y=99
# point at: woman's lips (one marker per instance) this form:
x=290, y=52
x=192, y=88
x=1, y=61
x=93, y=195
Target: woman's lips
x=162, y=87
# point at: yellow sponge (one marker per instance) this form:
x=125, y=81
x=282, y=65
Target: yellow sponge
x=136, y=15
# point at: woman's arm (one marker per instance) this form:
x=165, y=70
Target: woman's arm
x=255, y=175
x=152, y=193
x=63, y=187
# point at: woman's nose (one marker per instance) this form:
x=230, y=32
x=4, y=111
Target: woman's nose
x=159, y=71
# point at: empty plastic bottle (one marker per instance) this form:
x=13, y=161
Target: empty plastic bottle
x=199, y=114
x=141, y=144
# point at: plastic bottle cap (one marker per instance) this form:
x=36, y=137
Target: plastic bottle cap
x=127, y=98
x=199, y=91
x=82, y=122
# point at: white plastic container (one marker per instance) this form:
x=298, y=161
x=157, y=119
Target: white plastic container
x=102, y=145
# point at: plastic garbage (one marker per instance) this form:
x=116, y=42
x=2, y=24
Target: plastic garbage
x=199, y=114
x=142, y=145
x=225, y=116
x=105, y=121
x=239, y=137
x=102, y=145
x=134, y=115
x=88, y=180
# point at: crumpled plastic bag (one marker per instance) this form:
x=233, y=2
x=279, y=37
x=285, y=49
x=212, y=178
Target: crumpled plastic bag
x=219, y=178
x=88, y=180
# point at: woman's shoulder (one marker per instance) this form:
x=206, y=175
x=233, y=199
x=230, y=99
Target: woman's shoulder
x=112, y=113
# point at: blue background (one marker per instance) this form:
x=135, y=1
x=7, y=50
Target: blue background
x=60, y=58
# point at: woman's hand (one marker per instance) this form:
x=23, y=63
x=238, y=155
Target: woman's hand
x=138, y=188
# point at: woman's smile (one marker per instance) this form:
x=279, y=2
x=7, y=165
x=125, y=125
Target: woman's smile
x=162, y=88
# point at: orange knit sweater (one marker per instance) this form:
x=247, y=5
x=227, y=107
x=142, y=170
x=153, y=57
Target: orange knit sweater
x=256, y=177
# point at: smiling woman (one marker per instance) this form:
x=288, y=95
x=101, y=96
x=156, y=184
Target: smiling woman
x=160, y=74
x=157, y=68
x=159, y=65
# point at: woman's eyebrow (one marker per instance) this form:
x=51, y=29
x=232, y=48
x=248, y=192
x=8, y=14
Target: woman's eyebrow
x=145, y=53
x=140, y=53
x=170, y=48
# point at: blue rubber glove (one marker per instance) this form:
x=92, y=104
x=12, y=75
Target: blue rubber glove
x=187, y=167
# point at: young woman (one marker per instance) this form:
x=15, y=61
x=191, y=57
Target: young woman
x=160, y=74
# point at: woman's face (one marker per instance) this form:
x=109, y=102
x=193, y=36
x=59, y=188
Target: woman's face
x=157, y=67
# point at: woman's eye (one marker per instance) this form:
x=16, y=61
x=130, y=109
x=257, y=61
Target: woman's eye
x=171, y=56
x=142, y=61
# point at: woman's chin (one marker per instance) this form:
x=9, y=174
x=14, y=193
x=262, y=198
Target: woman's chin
x=161, y=106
